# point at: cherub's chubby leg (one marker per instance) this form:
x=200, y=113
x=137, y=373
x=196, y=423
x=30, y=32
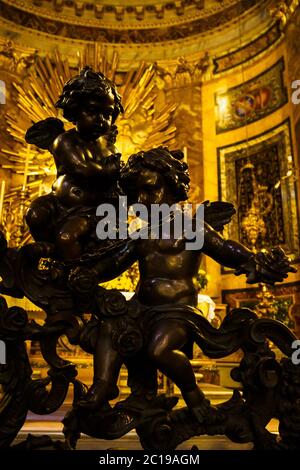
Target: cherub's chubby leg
x=107, y=365
x=166, y=340
x=70, y=235
x=142, y=381
x=40, y=218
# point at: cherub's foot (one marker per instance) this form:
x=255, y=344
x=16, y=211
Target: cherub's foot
x=136, y=402
x=206, y=413
x=98, y=395
x=197, y=403
x=201, y=411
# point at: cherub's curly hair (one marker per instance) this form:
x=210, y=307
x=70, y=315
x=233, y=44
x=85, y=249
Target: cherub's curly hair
x=76, y=90
x=167, y=163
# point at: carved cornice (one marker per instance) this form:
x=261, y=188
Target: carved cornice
x=248, y=51
x=123, y=14
x=175, y=27
x=120, y=10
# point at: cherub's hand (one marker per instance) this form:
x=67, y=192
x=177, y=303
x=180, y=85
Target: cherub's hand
x=267, y=266
x=37, y=250
x=111, y=167
x=217, y=214
x=112, y=160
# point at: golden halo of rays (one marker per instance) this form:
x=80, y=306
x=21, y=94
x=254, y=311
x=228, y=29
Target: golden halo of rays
x=142, y=126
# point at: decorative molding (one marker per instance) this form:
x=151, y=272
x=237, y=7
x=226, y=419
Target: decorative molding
x=137, y=34
x=139, y=12
x=283, y=11
x=156, y=13
x=250, y=50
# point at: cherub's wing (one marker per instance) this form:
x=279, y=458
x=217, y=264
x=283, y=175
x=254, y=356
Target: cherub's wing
x=43, y=133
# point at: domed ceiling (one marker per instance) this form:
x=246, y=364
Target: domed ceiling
x=128, y=21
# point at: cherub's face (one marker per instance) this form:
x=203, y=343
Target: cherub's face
x=151, y=188
x=95, y=117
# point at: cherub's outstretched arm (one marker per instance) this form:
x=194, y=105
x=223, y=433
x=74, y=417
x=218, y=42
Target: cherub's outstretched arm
x=113, y=265
x=265, y=266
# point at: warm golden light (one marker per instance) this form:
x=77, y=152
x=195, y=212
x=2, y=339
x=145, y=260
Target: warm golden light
x=223, y=104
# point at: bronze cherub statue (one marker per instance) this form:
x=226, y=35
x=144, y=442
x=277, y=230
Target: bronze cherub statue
x=167, y=286
x=86, y=159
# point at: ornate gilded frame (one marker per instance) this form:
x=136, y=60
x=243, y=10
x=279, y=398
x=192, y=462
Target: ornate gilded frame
x=228, y=182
